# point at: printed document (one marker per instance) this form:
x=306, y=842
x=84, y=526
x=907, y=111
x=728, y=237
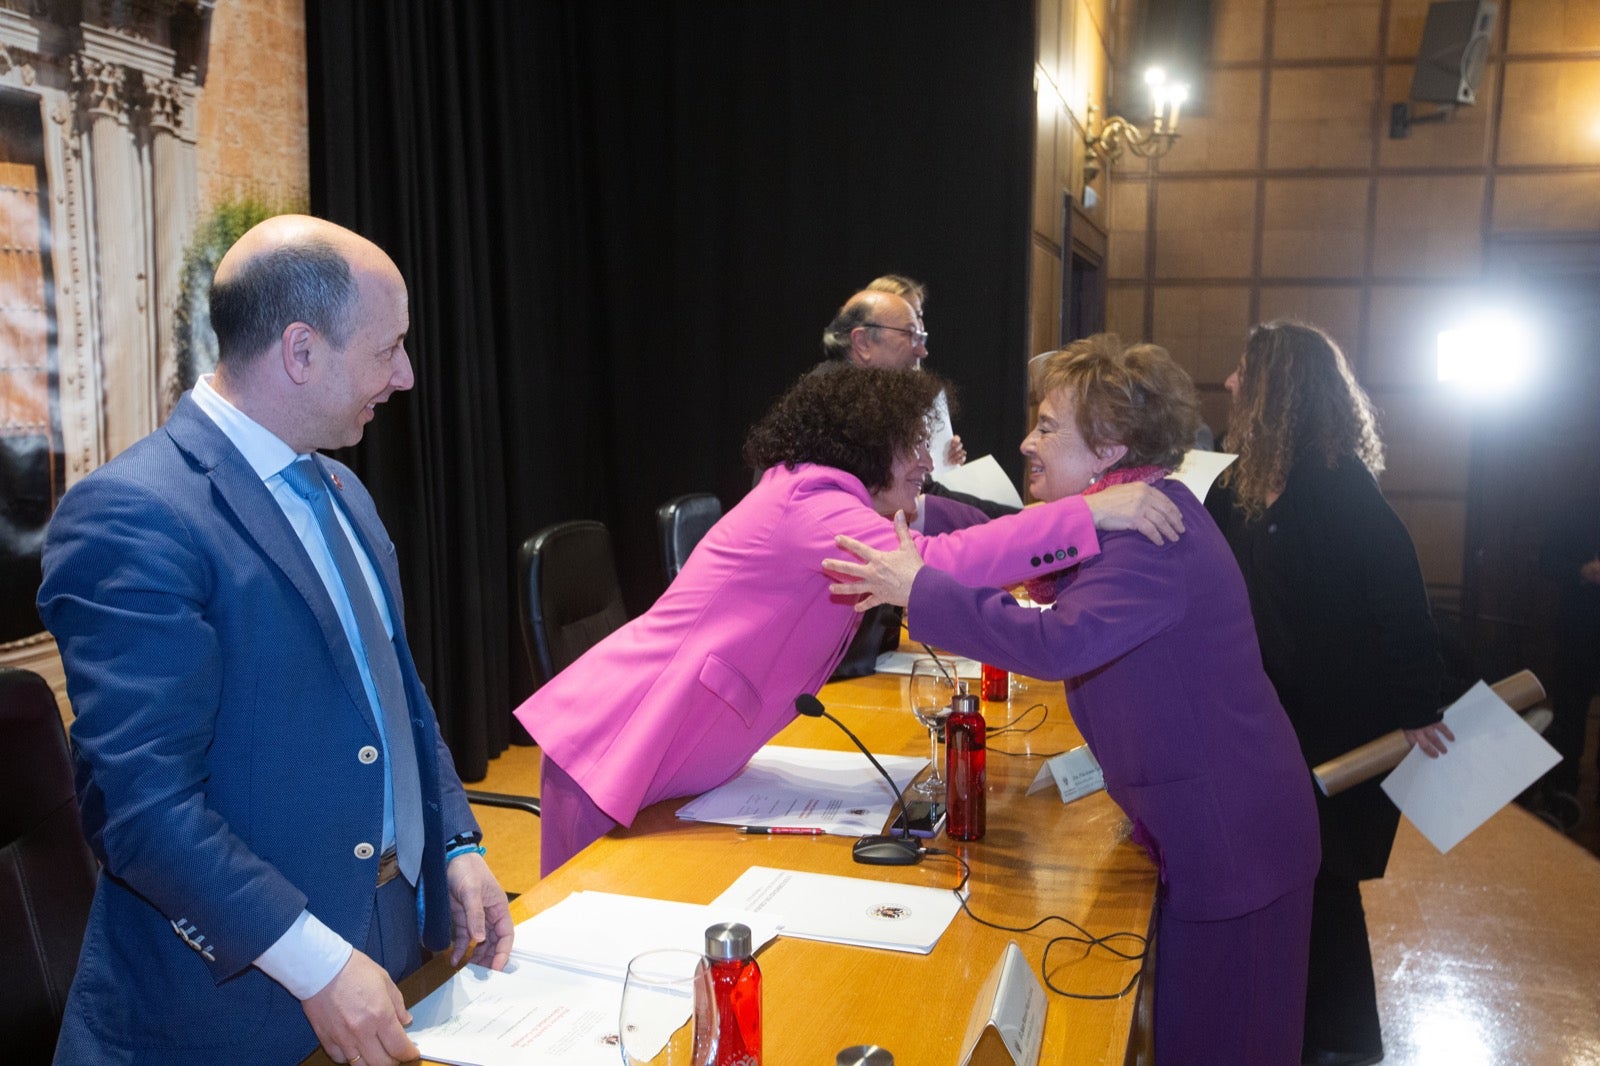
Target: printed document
x=530, y=1015
x=558, y=1000
x=836, y=791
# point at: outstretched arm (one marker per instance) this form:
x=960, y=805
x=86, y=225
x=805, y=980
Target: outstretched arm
x=884, y=576
x=1137, y=507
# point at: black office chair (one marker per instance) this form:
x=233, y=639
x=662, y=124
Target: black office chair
x=47, y=873
x=682, y=521
x=509, y=800
x=571, y=598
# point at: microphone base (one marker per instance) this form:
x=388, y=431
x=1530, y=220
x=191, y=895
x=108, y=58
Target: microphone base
x=887, y=851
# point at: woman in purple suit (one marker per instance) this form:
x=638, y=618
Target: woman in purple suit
x=676, y=701
x=1164, y=678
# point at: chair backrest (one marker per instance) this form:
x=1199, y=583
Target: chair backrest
x=571, y=598
x=682, y=521
x=47, y=872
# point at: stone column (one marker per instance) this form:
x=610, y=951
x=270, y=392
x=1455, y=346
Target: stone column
x=175, y=198
x=121, y=293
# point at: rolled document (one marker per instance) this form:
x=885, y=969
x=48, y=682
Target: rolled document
x=1520, y=691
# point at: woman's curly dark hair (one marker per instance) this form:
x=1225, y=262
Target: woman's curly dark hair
x=851, y=418
x=1298, y=402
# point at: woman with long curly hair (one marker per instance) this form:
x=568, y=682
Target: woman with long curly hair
x=1345, y=630
x=676, y=701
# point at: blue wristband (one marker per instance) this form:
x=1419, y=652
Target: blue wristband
x=465, y=849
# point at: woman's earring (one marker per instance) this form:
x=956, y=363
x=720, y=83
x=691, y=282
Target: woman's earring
x=1094, y=478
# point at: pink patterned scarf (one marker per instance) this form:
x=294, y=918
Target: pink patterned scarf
x=1042, y=589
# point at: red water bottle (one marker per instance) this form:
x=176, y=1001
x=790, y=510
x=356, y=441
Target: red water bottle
x=965, y=780
x=736, y=979
x=996, y=684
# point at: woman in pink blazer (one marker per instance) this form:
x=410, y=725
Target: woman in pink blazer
x=675, y=702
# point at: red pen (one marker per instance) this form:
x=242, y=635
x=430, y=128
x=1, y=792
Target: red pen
x=783, y=830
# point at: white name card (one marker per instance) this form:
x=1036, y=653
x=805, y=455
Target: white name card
x=1075, y=773
x=1007, y=1025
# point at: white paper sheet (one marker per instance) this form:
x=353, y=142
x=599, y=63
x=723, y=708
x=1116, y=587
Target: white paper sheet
x=598, y=932
x=981, y=477
x=899, y=662
x=1495, y=756
x=530, y=1015
x=1200, y=469
x=845, y=910
x=836, y=791
x=559, y=998
x=939, y=438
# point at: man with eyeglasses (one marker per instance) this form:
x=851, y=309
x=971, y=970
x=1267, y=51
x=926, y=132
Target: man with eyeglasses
x=881, y=326
x=877, y=329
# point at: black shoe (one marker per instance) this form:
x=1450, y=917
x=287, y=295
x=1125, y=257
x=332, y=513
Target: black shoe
x=1323, y=1057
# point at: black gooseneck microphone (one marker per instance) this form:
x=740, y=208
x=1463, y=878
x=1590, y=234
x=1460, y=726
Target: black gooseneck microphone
x=873, y=850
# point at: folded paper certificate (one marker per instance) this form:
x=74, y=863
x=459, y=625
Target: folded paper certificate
x=598, y=932
x=845, y=910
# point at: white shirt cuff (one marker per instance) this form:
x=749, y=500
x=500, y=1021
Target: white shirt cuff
x=306, y=957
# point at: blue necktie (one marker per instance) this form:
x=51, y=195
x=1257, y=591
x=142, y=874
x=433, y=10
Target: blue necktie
x=304, y=478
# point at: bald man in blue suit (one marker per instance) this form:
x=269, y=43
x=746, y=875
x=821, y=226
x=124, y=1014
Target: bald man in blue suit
x=253, y=802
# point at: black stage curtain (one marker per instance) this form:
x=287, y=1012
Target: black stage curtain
x=624, y=226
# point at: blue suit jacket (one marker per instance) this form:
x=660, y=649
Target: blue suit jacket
x=223, y=744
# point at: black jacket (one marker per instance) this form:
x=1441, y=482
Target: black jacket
x=1346, y=633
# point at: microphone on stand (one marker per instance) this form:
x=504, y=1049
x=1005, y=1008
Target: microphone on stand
x=873, y=850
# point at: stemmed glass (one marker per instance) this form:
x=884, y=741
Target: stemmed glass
x=669, y=1010
x=933, y=687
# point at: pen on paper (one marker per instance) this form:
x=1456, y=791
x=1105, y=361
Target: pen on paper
x=783, y=830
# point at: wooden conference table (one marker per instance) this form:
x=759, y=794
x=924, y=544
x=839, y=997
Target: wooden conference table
x=1039, y=857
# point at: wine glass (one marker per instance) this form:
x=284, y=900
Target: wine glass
x=669, y=1010
x=933, y=687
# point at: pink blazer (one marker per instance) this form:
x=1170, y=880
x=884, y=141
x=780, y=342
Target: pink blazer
x=676, y=701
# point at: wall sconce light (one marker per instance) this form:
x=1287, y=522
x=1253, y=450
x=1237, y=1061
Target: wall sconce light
x=1116, y=134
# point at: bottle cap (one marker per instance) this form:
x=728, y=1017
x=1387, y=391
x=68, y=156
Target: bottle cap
x=964, y=702
x=727, y=940
x=864, y=1055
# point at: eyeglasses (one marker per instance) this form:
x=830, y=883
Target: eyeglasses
x=918, y=336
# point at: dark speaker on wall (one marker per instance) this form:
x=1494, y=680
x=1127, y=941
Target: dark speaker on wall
x=1455, y=44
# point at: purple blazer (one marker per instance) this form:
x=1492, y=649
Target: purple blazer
x=676, y=701
x=1164, y=678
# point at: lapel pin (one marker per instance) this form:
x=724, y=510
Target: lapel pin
x=336, y=482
